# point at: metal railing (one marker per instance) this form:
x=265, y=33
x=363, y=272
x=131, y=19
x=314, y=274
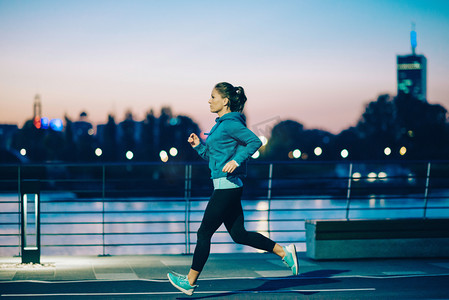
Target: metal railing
x=146, y=208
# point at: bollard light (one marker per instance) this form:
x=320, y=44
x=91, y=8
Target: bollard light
x=30, y=222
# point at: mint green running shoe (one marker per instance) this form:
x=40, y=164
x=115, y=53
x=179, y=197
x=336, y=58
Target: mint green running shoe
x=290, y=258
x=181, y=283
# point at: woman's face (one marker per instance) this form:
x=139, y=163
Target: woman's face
x=218, y=104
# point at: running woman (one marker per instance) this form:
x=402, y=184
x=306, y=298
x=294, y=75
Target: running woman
x=229, y=144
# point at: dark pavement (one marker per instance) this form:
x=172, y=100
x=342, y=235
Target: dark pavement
x=226, y=276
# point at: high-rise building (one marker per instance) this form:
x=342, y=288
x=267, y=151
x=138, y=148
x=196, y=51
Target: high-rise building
x=37, y=111
x=412, y=72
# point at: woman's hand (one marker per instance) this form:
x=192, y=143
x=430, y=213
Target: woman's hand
x=230, y=166
x=193, y=140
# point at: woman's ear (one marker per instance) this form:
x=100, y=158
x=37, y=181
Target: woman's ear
x=226, y=102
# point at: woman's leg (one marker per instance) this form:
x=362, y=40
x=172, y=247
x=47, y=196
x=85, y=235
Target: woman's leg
x=234, y=223
x=214, y=215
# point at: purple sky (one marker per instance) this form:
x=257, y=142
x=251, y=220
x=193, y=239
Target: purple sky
x=316, y=62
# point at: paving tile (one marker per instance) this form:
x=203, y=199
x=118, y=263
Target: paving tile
x=7, y=274
x=116, y=276
x=274, y=273
x=441, y=265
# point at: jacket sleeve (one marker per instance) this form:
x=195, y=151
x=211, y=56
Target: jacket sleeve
x=245, y=137
x=201, y=149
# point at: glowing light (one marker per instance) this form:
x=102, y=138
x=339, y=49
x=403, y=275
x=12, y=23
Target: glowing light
x=372, y=177
x=413, y=39
x=129, y=155
x=290, y=155
x=304, y=156
x=318, y=151
x=262, y=206
x=174, y=121
x=403, y=150
x=37, y=122
x=264, y=140
x=56, y=124
x=98, y=152
x=256, y=155
x=163, y=155
x=45, y=123
x=387, y=151
x=173, y=151
x=411, y=133
x=382, y=176
x=344, y=153
x=356, y=176
x=296, y=153
x=23, y=152
x=412, y=66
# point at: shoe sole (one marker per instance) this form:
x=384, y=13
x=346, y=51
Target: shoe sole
x=187, y=292
x=295, y=258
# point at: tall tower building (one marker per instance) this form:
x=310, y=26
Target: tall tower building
x=37, y=111
x=412, y=72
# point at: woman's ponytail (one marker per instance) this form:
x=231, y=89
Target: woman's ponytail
x=236, y=95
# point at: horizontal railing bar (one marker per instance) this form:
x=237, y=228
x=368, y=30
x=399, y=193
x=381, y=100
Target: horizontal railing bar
x=297, y=186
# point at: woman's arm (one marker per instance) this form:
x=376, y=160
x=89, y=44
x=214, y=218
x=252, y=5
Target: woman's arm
x=196, y=144
x=245, y=137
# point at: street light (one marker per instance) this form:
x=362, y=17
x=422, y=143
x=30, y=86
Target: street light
x=163, y=155
x=296, y=153
x=173, y=151
x=98, y=152
x=256, y=155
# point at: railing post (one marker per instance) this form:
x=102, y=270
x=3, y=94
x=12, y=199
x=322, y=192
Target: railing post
x=103, y=195
x=270, y=182
x=426, y=191
x=348, y=192
x=187, y=194
x=19, y=222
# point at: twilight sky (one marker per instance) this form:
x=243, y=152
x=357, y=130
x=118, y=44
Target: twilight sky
x=317, y=62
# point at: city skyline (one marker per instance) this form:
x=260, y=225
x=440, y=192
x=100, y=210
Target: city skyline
x=316, y=63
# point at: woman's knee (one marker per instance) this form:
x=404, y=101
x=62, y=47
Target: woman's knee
x=239, y=236
x=203, y=234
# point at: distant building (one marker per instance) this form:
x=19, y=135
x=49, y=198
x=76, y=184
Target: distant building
x=412, y=73
x=82, y=128
x=7, y=132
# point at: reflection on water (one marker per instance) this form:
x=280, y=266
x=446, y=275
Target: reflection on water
x=156, y=226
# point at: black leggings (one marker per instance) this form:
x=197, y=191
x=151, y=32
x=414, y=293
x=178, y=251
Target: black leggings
x=225, y=207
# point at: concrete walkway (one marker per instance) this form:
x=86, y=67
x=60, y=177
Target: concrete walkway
x=233, y=276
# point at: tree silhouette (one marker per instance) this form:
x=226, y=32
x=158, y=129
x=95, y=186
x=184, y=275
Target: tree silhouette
x=423, y=128
x=285, y=137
